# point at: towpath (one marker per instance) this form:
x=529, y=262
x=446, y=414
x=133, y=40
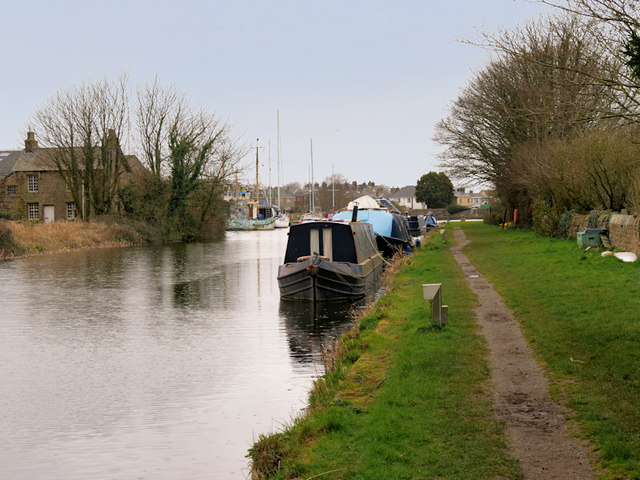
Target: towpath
x=536, y=428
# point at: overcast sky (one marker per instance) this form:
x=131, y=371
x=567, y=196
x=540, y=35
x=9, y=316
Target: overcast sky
x=366, y=80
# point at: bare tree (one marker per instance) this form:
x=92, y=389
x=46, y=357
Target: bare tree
x=528, y=94
x=193, y=148
x=613, y=26
x=81, y=126
x=156, y=107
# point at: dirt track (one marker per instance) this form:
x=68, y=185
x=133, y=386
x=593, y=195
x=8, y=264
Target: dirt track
x=536, y=428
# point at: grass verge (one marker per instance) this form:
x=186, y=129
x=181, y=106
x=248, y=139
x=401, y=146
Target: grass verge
x=581, y=314
x=33, y=237
x=403, y=400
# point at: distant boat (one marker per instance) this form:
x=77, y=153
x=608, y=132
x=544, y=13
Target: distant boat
x=327, y=260
x=282, y=219
x=390, y=226
x=251, y=215
x=242, y=221
x=430, y=221
x=417, y=226
x=311, y=217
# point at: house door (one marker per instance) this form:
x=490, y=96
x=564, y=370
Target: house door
x=49, y=214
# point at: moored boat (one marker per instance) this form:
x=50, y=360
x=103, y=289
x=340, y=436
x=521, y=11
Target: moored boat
x=252, y=215
x=239, y=223
x=390, y=226
x=329, y=260
x=417, y=226
x=282, y=220
x=430, y=221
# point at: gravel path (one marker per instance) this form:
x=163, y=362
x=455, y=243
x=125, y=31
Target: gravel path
x=536, y=428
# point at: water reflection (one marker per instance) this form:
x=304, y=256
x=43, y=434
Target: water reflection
x=310, y=326
x=161, y=362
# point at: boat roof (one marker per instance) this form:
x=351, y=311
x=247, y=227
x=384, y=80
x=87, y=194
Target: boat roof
x=367, y=202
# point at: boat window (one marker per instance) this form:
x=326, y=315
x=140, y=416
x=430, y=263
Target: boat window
x=314, y=241
x=327, y=243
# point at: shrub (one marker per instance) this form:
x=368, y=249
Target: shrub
x=545, y=221
x=125, y=229
x=8, y=245
x=492, y=218
x=594, y=216
x=6, y=215
x=565, y=222
x=455, y=208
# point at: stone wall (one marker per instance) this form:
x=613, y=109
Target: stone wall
x=51, y=192
x=623, y=230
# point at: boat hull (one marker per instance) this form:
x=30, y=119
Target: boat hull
x=282, y=221
x=251, y=224
x=315, y=279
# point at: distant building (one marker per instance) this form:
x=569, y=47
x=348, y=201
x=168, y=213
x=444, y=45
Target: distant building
x=31, y=187
x=406, y=197
x=480, y=199
x=463, y=198
x=287, y=199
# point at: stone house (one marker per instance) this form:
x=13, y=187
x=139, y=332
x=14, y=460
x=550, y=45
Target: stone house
x=406, y=197
x=480, y=199
x=32, y=189
x=463, y=198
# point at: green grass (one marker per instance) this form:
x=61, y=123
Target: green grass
x=581, y=314
x=410, y=401
x=416, y=404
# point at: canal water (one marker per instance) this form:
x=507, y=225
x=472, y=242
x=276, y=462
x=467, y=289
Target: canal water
x=152, y=363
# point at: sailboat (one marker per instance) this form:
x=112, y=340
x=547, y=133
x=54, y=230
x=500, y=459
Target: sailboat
x=312, y=214
x=282, y=219
x=252, y=216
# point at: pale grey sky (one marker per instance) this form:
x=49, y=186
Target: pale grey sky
x=365, y=79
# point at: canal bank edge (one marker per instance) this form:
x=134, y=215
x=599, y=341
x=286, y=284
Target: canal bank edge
x=399, y=397
x=18, y=239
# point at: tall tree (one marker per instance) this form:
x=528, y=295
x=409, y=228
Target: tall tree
x=82, y=126
x=435, y=189
x=533, y=90
x=194, y=148
x=614, y=27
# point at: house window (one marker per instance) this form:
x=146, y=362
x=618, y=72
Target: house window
x=71, y=211
x=11, y=190
x=34, y=211
x=33, y=183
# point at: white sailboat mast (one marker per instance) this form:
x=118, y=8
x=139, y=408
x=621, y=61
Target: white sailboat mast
x=278, y=155
x=257, y=186
x=313, y=203
x=333, y=190
x=270, y=194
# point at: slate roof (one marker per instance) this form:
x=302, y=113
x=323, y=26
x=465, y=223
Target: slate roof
x=404, y=192
x=21, y=161
x=40, y=161
x=7, y=162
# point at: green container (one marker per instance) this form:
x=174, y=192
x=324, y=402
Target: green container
x=589, y=239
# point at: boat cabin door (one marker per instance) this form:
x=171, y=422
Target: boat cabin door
x=324, y=247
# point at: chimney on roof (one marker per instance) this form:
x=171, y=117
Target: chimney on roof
x=30, y=144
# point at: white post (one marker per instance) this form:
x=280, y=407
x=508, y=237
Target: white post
x=439, y=312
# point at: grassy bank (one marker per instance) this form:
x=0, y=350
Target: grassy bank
x=408, y=401
x=581, y=314
x=404, y=400
x=27, y=238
